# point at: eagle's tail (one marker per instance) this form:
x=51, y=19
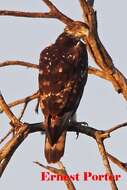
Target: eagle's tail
x=53, y=153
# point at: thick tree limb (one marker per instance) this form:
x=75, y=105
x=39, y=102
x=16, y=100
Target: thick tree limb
x=99, y=53
x=24, y=129
x=10, y=147
x=20, y=133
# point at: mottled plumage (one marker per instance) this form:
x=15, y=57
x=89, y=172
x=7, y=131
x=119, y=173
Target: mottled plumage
x=63, y=72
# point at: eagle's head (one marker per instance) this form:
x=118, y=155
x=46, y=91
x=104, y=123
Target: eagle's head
x=77, y=29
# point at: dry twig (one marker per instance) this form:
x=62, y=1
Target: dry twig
x=62, y=171
x=27, y=100
x=103, y=153
x=19, y=63
x=120, y=164
x=10, y=115
x=53, y=13
x=21, y=101
x=6, y=136
x=119, y=126
x=9, y=148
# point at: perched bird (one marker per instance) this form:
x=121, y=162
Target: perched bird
x=63, y=70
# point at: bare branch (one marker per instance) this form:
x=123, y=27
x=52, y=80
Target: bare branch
x=79, y=127
x=92, y=70
x=116, y=127
x=10, y=147
x=99, y=53
x=23, y=110
x=6, y=136
x=21, y=131
x=25, y=14
x=27, y=100
x=21, y=101
x=120, y=164
x=53, y=13
x=116, y=161
x=103, y=153
x=85, y=9
x=100, y=73
x=10, y=115
x=19, y=63
x=96, y=48
x=107, y=71
x=104, y=75
x=56, y=13
x=62, y=171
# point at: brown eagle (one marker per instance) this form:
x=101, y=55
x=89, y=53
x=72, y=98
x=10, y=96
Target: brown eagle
x=63, y=70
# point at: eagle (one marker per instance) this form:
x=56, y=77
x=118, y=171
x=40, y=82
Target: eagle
x=63, y=70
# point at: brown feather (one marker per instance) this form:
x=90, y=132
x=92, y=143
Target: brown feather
x=55, y=152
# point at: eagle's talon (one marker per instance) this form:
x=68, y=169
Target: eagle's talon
x=77, y=134
x=85, y=124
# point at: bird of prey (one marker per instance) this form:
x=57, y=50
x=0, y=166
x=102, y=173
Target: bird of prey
x=63, y=70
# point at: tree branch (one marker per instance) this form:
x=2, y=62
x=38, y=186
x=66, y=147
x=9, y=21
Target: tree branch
x=104, y=75
x=120, y=164
x=99, y=53
x=97, y=50
x=103, y=153
x=20, y=133
x=6, y=109
x=6, y=136
x=53, y=13
x=107, y=71
x=10, y=147
x=62, y=171
x=21, y=101
x=100, y=73
x=19, y=63
x=119, y=126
